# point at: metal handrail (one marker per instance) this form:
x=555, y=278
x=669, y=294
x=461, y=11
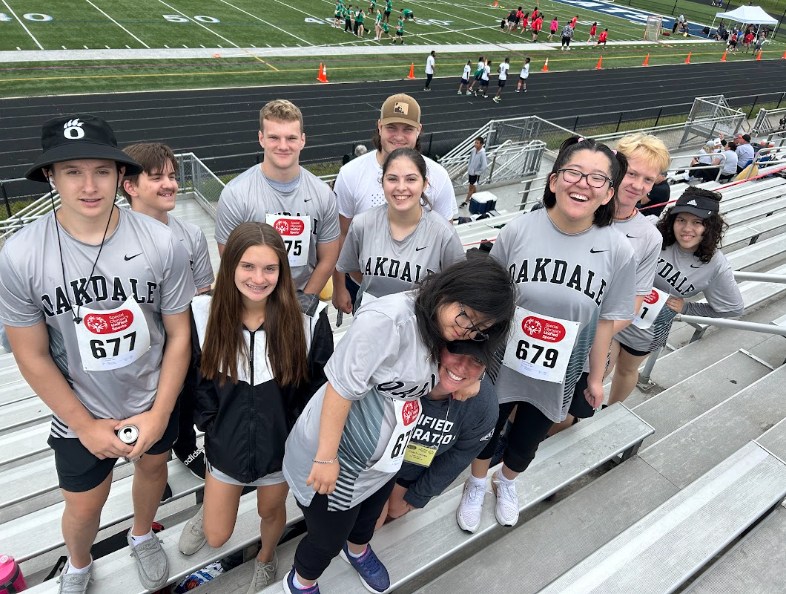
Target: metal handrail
x=736, y=324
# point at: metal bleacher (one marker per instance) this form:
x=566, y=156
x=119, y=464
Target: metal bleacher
x=702, y=458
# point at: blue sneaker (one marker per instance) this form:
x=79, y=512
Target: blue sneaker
x=289, y=585
x=373, y=575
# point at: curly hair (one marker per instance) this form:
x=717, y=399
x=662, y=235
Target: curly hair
x=714, y=226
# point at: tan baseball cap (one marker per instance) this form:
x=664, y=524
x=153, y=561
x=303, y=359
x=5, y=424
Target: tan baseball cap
x=400, y=109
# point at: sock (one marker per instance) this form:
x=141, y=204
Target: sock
x=137, y=540
x=476, y=480
x=71, y=569
x=503, y=479
x=353, y=555
x=296, y=583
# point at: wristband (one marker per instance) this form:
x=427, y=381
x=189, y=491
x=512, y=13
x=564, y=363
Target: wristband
x=315, y=461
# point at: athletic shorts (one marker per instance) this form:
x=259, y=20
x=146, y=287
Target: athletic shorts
x=501, y=83
x=477, y=76
x=553, y=31
x=484, y=83
x=522, y=79
x=274, y=478
x=579, y=407
x=473, y=179
x=387, y=13
x=78, y=470
x=464, y=81
x=633, y=351
x=399, y=34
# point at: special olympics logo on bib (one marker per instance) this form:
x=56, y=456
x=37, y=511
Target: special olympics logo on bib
x=410, y=412
x=651, y=298
x=544, y=330
x=108, y=323
x=289, y=227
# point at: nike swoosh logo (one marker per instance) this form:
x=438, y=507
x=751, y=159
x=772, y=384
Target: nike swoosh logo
x=594, y=251
x=630, y=236
x=417, y=249
x=127, y=258
x=692, y=266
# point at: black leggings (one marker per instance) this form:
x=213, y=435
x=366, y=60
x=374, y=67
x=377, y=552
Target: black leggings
x=530, y=427
x=329, y=530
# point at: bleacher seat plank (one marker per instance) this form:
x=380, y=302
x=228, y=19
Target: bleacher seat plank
x=755, y=565
x=22, y=443
x=14, y=391
x=531, y=556
x=39, y=532
x=23, y=412
x=663, y=550
x=756, y=255
x=753, y=211
x=697, y=446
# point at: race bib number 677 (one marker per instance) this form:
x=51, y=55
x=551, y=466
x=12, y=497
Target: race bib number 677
x=540, y=346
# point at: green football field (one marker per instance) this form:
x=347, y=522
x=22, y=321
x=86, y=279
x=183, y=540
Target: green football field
x=137, y=24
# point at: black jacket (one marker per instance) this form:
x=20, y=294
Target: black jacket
x=246, y=424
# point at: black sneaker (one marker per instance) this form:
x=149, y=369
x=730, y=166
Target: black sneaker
x=195, y=462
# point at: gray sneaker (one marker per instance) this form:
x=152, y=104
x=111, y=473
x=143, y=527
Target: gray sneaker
x=193, y=536
x=264, y=574
x=73, y=583
x=151, y=562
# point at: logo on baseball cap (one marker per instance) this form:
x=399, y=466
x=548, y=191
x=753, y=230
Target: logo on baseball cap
x=400, y=109
x=699, y=205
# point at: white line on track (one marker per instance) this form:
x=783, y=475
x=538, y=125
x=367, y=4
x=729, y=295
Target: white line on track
x=118, y=24
x=190, y=20
x=253, y=16
x=11, y=10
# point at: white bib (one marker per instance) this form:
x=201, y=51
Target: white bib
x=296, y=233
x=407, y=414
x=540, y=346
x=113, y=338
x=650, y=309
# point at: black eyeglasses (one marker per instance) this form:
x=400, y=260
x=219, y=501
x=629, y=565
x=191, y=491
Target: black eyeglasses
x=595, y=180
x=465, y=322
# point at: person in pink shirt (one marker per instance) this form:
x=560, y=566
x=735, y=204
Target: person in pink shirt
x=573, y=21
x=604, y=36
x=554, y=27
x=593, y=30
x=537, y=25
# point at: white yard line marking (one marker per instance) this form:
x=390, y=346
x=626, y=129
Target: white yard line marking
x=118, y=24
x=11, y=10
x=190, y=20
x=253, y=16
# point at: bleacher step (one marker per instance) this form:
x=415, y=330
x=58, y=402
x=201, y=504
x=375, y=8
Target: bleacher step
x=664, y=549
x=14, y=391
x=758, y=257
x=23, y=412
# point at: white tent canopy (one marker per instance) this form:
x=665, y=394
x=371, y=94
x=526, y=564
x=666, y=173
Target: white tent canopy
x=749, y=15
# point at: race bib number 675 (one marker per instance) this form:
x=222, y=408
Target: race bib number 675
x=540, y=346
x=296, y=233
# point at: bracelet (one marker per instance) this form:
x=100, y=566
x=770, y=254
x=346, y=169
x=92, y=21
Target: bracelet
x=315, y=461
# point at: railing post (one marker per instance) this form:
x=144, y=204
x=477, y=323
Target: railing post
x=5, y=199
x=750, y=113
x=576, y=124
x=779, y=101
x=619, y=122
x=657, y=119
x=644, y=382
x=491, y=170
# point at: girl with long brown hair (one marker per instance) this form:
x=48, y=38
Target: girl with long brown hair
x=258, y=360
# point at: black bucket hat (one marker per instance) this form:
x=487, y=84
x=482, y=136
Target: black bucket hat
x=68, y=138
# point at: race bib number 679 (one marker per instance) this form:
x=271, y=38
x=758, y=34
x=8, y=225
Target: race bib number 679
x=540, y=346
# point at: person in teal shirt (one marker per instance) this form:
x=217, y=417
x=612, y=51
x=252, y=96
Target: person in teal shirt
x=388, y=10
x=399, y=30
x=408, y=14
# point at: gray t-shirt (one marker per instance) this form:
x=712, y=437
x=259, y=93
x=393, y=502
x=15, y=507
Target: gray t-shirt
x=646, y=241
x=142, y=260
x=681, y=274
x=382, y=359
x=359, y=187
x=249, y=197
x=193, y=239
x=390, y=266
x=582, y=278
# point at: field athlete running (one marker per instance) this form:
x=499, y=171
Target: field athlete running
x=346, y=448
x=575, y=278
x=95, y=301
x=464, y=84
x=478, y=74
x=689, y=263
x=258, y=360
x=523, y=76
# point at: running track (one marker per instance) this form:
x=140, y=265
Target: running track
x=221, y=124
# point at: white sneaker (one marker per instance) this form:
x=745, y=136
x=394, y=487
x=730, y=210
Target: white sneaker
x=471, y=505
x=507, y=508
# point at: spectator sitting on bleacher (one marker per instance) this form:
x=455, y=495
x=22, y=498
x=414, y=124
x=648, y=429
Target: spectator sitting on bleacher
x=689, y=263
x=450, y=432
x=96, y=303
x=744, y=151
x=703, y=159
x=251, y=344
x=729, y=169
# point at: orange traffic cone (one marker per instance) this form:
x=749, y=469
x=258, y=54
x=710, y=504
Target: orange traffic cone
x=600, y=63
x=322, y=73
x=687, y=60
x=784, y=55
x=759, y=56
x=646, y=61
x=723, y=59
x=411, y=70
x=545, y=66
x=216, y=55
x=496, y=3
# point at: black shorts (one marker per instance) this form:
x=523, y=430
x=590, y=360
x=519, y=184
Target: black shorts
x=387, y=13
x=473, y=179
x=464, y=81
x=477, y=76
x=399, y=33
x=579, y=407
x=484, y=83
x=78, y=470
x=633, y=351
x=521, y=79
x=501, y=83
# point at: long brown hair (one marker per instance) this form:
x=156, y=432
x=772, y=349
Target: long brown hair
x=224, y=341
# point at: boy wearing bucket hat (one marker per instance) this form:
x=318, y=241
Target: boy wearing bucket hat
x=95, y=301
x=358, y=186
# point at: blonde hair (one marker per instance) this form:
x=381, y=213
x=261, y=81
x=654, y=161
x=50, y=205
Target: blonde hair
x=647, y=146
x=280, y=110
